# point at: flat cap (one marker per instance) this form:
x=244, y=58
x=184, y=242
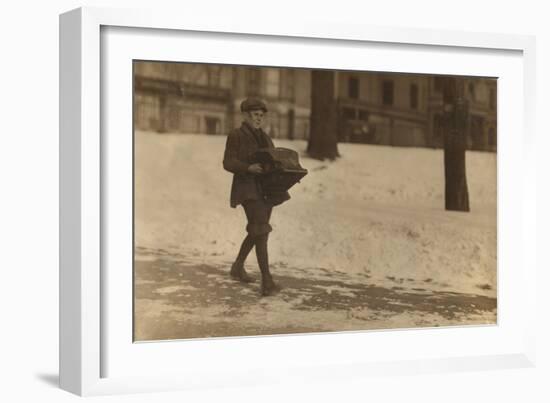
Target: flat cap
x=253, y=104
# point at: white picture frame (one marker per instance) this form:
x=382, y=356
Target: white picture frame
x=89, y=340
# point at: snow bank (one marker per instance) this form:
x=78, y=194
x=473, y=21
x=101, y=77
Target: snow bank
x=377, y=211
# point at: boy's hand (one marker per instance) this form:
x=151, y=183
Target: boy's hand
x=255, y=169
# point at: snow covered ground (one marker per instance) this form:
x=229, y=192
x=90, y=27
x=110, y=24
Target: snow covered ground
x=364, y=243
x=377, y=210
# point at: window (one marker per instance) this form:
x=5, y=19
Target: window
x=492, y=136
x=387, y=92
x=212, y=125
x=363, y=115
x=472, y=91
x=493, y=99
x=414, y=96
x=353, y=87
x=348, y=113
x=272, y=85
x=289, y=84
x=254, y=81
x=438, y=84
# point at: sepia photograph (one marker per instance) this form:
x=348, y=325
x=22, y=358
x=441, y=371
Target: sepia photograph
x=278, y=200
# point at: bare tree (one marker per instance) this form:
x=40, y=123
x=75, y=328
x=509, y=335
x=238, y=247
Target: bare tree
x=323, y=135
x=456, y=119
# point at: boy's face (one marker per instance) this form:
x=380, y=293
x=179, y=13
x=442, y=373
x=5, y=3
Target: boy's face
x=255, y=118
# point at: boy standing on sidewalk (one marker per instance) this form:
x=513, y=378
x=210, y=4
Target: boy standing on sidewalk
x=246, y=191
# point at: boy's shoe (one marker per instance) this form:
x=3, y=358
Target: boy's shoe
x=239, y=273
x=269, y=287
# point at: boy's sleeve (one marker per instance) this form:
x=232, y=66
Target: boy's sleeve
x=271, y=145
x=231, y=161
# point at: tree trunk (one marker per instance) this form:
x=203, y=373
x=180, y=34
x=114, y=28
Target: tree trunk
x=456, y=187
x=323, y=135
x=163, y=114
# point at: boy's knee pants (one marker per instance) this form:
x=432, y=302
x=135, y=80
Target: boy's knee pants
x=258, y=213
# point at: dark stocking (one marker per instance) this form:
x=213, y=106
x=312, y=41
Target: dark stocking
x=261, y=255
x=246, y=247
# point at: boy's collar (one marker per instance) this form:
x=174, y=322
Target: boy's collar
x=250, y=127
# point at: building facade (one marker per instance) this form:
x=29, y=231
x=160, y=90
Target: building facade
x=372, y=107
x=203, y=98
x=408, y=110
